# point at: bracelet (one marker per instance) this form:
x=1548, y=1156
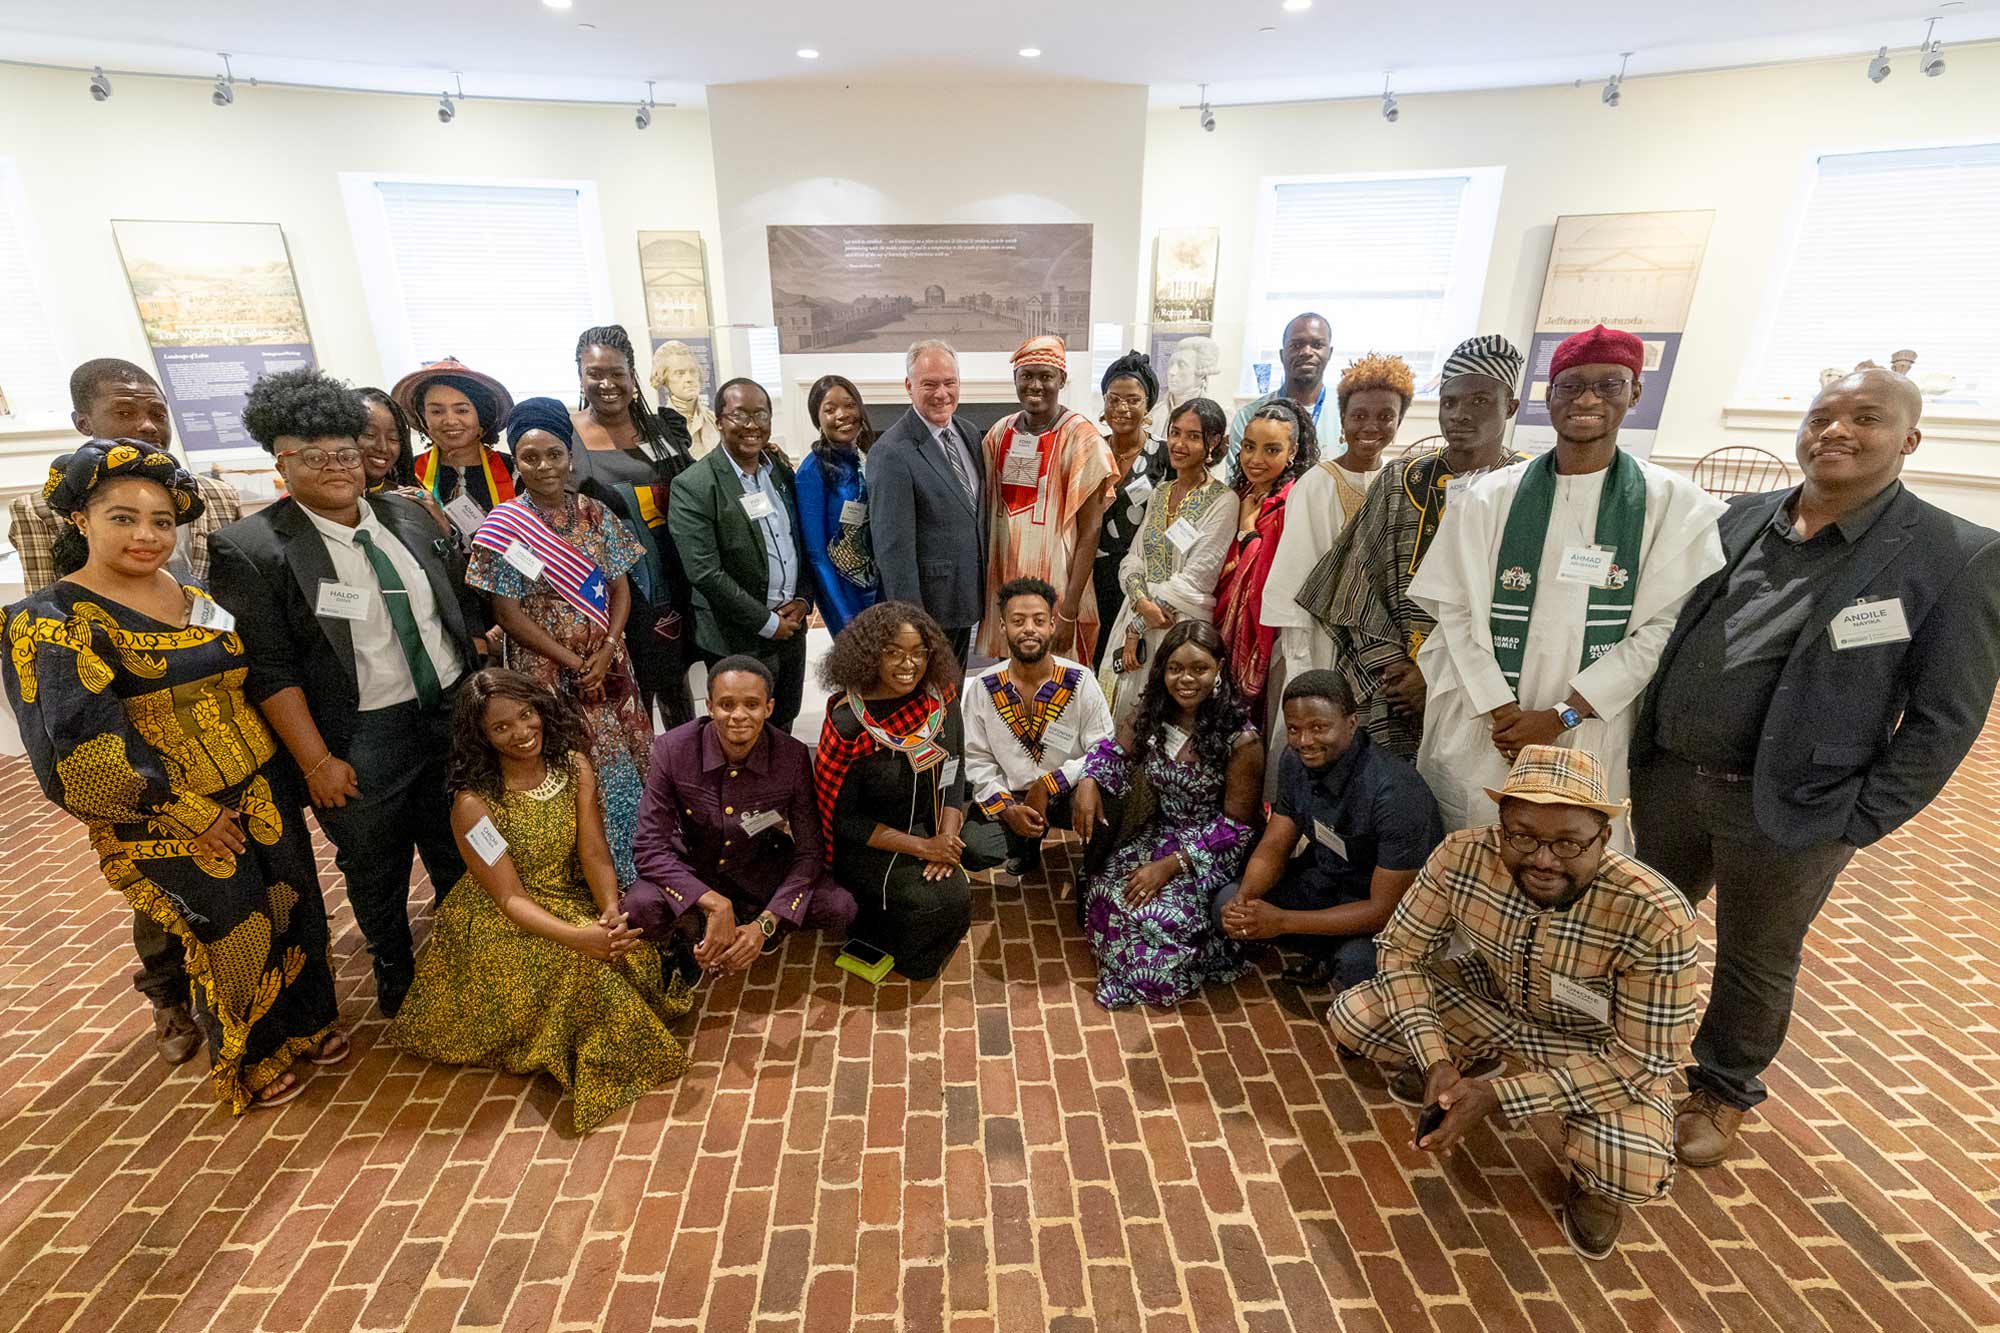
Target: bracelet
x=317, y=767
x=1187, y=863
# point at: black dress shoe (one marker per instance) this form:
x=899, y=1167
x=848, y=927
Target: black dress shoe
x=1591, y=1220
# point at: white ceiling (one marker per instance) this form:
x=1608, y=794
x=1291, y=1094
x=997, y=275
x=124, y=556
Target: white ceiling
x=1245, y=50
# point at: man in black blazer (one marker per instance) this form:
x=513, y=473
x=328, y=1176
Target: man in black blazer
x=734, y=517
x=927, y=510
x=1814, y=695
x=359, y=628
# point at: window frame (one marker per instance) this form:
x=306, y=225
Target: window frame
x=1478, y=229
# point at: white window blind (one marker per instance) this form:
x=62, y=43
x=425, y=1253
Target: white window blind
x=498, y=276
x=1395, y=265
x=31, y=370
x=1894, y=250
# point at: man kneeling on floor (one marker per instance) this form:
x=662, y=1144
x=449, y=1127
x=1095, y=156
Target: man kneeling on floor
x=1372, y=824
x=1581, y=968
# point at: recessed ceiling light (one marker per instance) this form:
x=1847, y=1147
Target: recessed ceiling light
x=1030, y=52
x=1297, y=6
x=807, y=53
x=558, y=4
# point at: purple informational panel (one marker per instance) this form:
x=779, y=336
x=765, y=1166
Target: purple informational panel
x=207, y=386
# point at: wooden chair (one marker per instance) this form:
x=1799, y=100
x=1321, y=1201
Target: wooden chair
x=1740, y=469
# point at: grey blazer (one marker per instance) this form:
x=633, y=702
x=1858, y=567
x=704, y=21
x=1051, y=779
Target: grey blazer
x=930, y=540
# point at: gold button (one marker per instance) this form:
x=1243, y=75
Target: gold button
x=732, y=772
x=722, y=860
x=725, y=842
x=728, y=809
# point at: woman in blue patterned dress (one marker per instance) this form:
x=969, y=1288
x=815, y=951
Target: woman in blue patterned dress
x=829, y=482
x=1186, y=773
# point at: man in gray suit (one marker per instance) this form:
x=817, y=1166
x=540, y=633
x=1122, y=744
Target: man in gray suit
x=927, y=500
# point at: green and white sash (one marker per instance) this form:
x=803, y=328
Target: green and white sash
x=1621, y=527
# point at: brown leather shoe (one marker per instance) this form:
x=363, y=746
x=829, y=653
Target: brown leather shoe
x=1591, y=1220
x=1704, y=1128
x=175, y=1036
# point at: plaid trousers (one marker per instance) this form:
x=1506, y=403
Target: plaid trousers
x=1627, y=1154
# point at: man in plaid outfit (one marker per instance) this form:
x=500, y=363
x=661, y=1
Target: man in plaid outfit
x=1580, y=972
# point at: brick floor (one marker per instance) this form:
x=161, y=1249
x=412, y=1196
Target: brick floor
x=988, y=1152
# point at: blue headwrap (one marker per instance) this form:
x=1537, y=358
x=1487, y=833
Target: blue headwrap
x=540, y=414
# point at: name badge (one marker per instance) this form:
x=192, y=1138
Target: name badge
x=757, y=821
x=464, y=513
x=1575, y=995
x=1183, y=535
x=757, y=505
x=1455, y=487
x=208, y=615
x=1138, y=488
x=1870, y=623
x=520, y=557
x=486, y=840
x=1059, y=735
x=949, y=773
x=1023, y=464
x=1174, y=739
x=1328, y=839
x=1586, y=564
x=853, y=513
x=341, y=601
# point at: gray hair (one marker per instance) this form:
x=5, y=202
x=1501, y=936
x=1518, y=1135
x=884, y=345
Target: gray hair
x=917, y=349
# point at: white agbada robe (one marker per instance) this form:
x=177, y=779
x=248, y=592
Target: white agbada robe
x=1679, y=548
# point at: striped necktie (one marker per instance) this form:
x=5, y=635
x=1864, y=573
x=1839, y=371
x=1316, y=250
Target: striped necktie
x=961, y=466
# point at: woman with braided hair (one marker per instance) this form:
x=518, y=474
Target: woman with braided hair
x=627, y=456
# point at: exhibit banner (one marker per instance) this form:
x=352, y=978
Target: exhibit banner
x=221, y=308
x=1631, y=271
x=982, y=287
x=1184, y=267
x=673, y=268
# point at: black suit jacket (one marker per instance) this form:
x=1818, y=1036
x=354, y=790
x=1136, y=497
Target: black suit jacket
x=930, y=541
x=1858, y=740
x=266, y=570
x=723, y=552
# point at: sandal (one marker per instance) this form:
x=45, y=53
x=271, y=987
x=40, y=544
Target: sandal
x=332, y=1049
x=1308, y=973
x=265, y=1098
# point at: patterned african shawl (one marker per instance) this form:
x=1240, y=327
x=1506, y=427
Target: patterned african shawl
x=837, y=753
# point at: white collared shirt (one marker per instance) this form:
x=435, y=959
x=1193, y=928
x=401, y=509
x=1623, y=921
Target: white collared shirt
x=995, y=759
x=381, y=673
x=781, y=555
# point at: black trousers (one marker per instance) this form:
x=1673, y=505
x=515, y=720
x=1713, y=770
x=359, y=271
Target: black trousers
x=1110, y=597
x=162, y=976
x=1700, y=830
x=787, y=660
x=989, y=842
x=398, y=754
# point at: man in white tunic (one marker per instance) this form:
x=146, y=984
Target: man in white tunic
x=1555, y=584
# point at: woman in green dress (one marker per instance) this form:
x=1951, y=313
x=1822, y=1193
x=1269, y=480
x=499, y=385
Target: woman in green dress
x=531, y=965
x=129, y=690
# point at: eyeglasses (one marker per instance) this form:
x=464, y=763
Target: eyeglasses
x=1566, y=849
x=1609, y=391
x=743, y=418
x=902, y=657
x=317, y=460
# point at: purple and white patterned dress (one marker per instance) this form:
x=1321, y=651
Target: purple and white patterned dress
x=1170, y=948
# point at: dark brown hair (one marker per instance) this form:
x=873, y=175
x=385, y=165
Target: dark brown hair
x=856, y=660
x=473, y=766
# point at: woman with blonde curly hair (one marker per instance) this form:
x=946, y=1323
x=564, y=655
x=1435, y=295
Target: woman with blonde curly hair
x=1373, y=395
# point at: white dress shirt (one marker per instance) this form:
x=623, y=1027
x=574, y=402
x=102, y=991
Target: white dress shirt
x=382, y=673
x=781, y=553
x=996, y=762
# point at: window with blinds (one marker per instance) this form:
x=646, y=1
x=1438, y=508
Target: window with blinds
x=502, y=277
x=1894, y=250
x=32, y=378
x=1397, y=265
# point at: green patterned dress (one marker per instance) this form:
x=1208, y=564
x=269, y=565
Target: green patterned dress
x=490, y=993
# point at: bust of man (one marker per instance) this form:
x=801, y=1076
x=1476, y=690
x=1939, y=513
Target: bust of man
x=1194, y=362
x=677, y=376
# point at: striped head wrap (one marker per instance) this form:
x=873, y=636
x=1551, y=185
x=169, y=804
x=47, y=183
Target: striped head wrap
x=1489, y=354
x=1045, y=350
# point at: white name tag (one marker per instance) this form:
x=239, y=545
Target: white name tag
x=1138, y=489
x=949, y=773
x=1870, y=623
x=342, y=601
x=486, y=840
x=1173, y=738
x=1329, y=839
x=520, y=557
x=1455, y=487
x=757, y=505
x=758, y=821
x=1059, y=736
x=1575, y=995
x=853, y=513
x=1183, y=535
x=1586, y=564
x=1023, y=464
x=464, y=513
x=208, y=615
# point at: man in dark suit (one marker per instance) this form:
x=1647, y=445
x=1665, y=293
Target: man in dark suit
x=358, y=627
x=927, y=501
x=734, y=516
x=1814, y=695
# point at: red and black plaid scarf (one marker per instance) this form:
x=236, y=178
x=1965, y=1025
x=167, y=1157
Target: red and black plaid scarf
x=837, y=754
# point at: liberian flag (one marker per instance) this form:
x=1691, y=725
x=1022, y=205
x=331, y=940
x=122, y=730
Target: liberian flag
x=569, y=571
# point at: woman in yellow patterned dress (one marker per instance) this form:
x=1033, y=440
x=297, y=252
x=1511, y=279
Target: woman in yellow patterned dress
x=531, y=965
x=129, y=691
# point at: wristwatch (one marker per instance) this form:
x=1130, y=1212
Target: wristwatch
x=767, y=923
x=1569, y=717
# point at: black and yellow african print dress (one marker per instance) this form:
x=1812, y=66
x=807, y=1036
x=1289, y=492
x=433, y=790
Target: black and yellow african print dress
x=142, y=731
x=490, y=993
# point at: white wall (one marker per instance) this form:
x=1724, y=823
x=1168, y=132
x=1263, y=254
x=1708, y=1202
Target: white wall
x=159, y=149
x=819, y=154
x=1738, y=143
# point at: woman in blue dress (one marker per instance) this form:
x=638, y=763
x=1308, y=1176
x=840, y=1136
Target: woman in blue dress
x=833, y=502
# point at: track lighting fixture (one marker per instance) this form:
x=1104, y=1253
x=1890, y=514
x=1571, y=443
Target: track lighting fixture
x=1878, y=68
x=100, y=87
x=1932, y=63
x=225, y=85
x=1207, y=115
x=644, y=115
x=1614, y=87
x=1390, y=111
x=446, y=111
